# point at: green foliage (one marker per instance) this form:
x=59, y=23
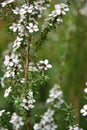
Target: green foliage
x=69, y=115
x=66, y=48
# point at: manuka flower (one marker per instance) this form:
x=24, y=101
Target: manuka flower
x=47, y=121
x=75, y=127
x=85, y=90
x=55, y=97
x=15, y=27
x=84, y=110
x=28, y=101
x=44, y=65
x=26, y=9
x=17, y=43
x=17, y=121
x=11, y=59
x=32, y=67
x=1, y=112
x=7, y=91
x=12, y=63
x=32, y=28
x=61, y=8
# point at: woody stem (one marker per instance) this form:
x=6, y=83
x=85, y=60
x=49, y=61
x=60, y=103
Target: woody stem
x=27, y=77
x=26, y=66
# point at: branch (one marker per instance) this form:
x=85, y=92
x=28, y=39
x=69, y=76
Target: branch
x=26, y=75
x=26, y=65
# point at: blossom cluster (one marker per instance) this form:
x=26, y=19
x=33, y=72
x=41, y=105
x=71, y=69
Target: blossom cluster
x=55, y=97
x=59, y=10
x=84, y=109
x=26, y=25
x=17, y=121
x=12, y=65
x=19, y=64
x=47, y=121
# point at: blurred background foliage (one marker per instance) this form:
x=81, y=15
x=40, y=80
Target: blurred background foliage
x=66, y=49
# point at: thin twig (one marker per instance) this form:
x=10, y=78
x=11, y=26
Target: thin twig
x=26, y=75
x=28, y=125
x=26, y=65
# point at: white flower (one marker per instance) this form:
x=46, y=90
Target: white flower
x=54, y=13
x=39, y=6
x=83, y=10
x=28, y=102
x=59, y=20
x=8, y=74
x=32, y=28
x=40, y=126
x=47, y=121
x=44, y=65
x=21, y=29
x=23, y=10
x=12, y=71
x=21, y=20
x=17, y=121
x=8, y=60
x=1, y=112
x=47, y=117
x=61, y=8
x=36, y=126
x=17, y=43
x=51, y=126
x=12, y=63
x=84, y=110
x=11, y=59
x=32, y=67
x=75, y=127
x=22, y=80
x=2, y=82
x=15, y=27
x=16, y=11
x=86, y=83
x=7, y=91
x=55, y=97
x=85, y=90
x=6, y=2
x=27, y=9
